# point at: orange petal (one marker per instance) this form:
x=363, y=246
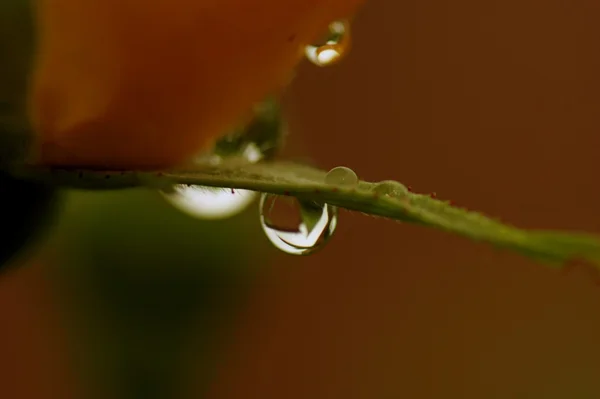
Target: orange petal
x=150, y=83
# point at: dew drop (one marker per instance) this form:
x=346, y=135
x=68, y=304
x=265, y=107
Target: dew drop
x=390, y=188
x=297, y=227
x=213, y=203
x=209, y=202
x=333, y=48
x=341, y=176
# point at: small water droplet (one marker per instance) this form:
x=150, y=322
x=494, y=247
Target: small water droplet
x=297, y=227
x=341, y=176
x=334, y=47
x=390, y=188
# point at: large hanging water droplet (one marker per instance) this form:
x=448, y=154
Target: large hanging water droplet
x=209, y=202
x=334, y=47
x=341, y=176
x=214, y=202
x=297, y=227
x=259, y=139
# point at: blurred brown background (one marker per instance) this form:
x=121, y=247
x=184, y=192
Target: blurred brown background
x=491, y=104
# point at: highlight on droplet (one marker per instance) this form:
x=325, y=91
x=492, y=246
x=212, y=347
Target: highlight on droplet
x=334, y=48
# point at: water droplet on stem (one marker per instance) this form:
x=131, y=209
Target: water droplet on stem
x=209, y=202
x=341, y=176
x=294, y=226
x=334, y=47
x=214, y=202
x=260, y=139
x=390, y=188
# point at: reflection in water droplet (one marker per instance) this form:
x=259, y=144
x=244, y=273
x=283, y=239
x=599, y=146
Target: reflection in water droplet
x=297, y=227
x=209, y=202
x=390, y=188
x=341, y=176
x=334, y=47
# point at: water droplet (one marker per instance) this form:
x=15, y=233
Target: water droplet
x=258, y=140
x=213, y=202
x=209, y=202
x=390, y=188
x=297, y=227
x=334, y=47
x=341, y=176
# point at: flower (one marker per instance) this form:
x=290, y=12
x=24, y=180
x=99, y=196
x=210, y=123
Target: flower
x=150, y=83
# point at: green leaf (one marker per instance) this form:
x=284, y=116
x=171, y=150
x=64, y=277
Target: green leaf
x=387, y=199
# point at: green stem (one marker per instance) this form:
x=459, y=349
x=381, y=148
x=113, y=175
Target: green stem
x=386, y=199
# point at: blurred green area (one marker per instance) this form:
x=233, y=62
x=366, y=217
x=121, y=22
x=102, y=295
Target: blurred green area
x=150, y=290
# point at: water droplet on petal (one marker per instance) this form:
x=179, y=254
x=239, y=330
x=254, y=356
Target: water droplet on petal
x=341, y=176
x=335, y=46
x=209, y=202
x=297, y=227
x=390, y=188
